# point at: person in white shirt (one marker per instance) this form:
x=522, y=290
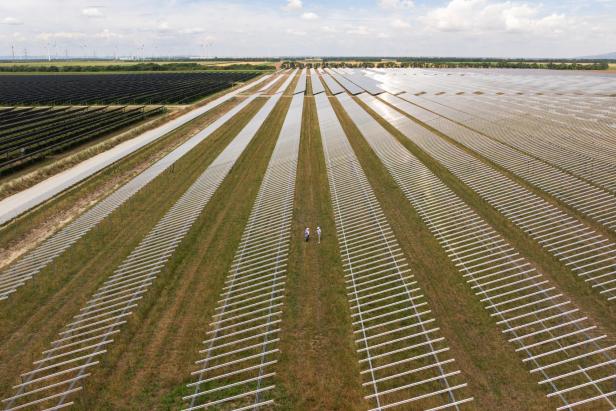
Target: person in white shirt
x=319, y=234
x=307, y=234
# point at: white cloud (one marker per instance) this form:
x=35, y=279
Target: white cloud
x=11, y=21
x=293, y=5
x=395, y=4
x=359, y=30
x=92, y=12
x=498, y=28
x=309, y=16
x=458, y=15
x=108, y=35
x=65, y=35
x=480, y=16
x=163, y=26
x=192, y=30
x=296, y=32
x=400, y=24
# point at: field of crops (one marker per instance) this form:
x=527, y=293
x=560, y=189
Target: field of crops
x=465, y=258
x=143, y=88
x=31, y=133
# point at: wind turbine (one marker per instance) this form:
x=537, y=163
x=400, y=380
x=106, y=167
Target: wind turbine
x=84, y=50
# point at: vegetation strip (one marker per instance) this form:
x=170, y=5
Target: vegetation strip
x=113, y=303
x=318, y=367
x=242, y=346
x=129, y=67
x=558, y=342
x=402, y=357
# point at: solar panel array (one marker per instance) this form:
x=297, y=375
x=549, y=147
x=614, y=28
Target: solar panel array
x=534, y=127
x=40, y=257
x=366, y=83
x=571, y=359
x=513, y=81
x=596, y=203
x=403, y=359
x=116, y=88
x=584, y=148
x=60, y=372
x=29, y=198
x=317, y=86
x=347, y=84
x=333, y=86
x=300, y=87
x=587, y=252
x=237, y=368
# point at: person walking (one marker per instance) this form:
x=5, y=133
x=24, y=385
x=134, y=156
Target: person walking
x=319, y=234
x=307, y=234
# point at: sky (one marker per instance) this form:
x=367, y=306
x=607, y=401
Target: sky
x=272, y=28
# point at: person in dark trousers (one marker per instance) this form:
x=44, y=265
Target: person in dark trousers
x=307, y=234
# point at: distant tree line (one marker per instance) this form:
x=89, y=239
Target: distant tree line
x=456, y=63
x=133, y=67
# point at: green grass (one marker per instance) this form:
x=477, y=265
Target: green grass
x=588, y=300
x=318, y=366
x=162, y=341
x=494, y=372
x=51, y=298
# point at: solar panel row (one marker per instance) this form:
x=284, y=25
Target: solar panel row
x=40, y=257
x=596, y=203
x=17, y=204
x=585, y=149
x=61, y=371
x=573, y=360
x=241, y=352
x=560, y=234
x=403, y=359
